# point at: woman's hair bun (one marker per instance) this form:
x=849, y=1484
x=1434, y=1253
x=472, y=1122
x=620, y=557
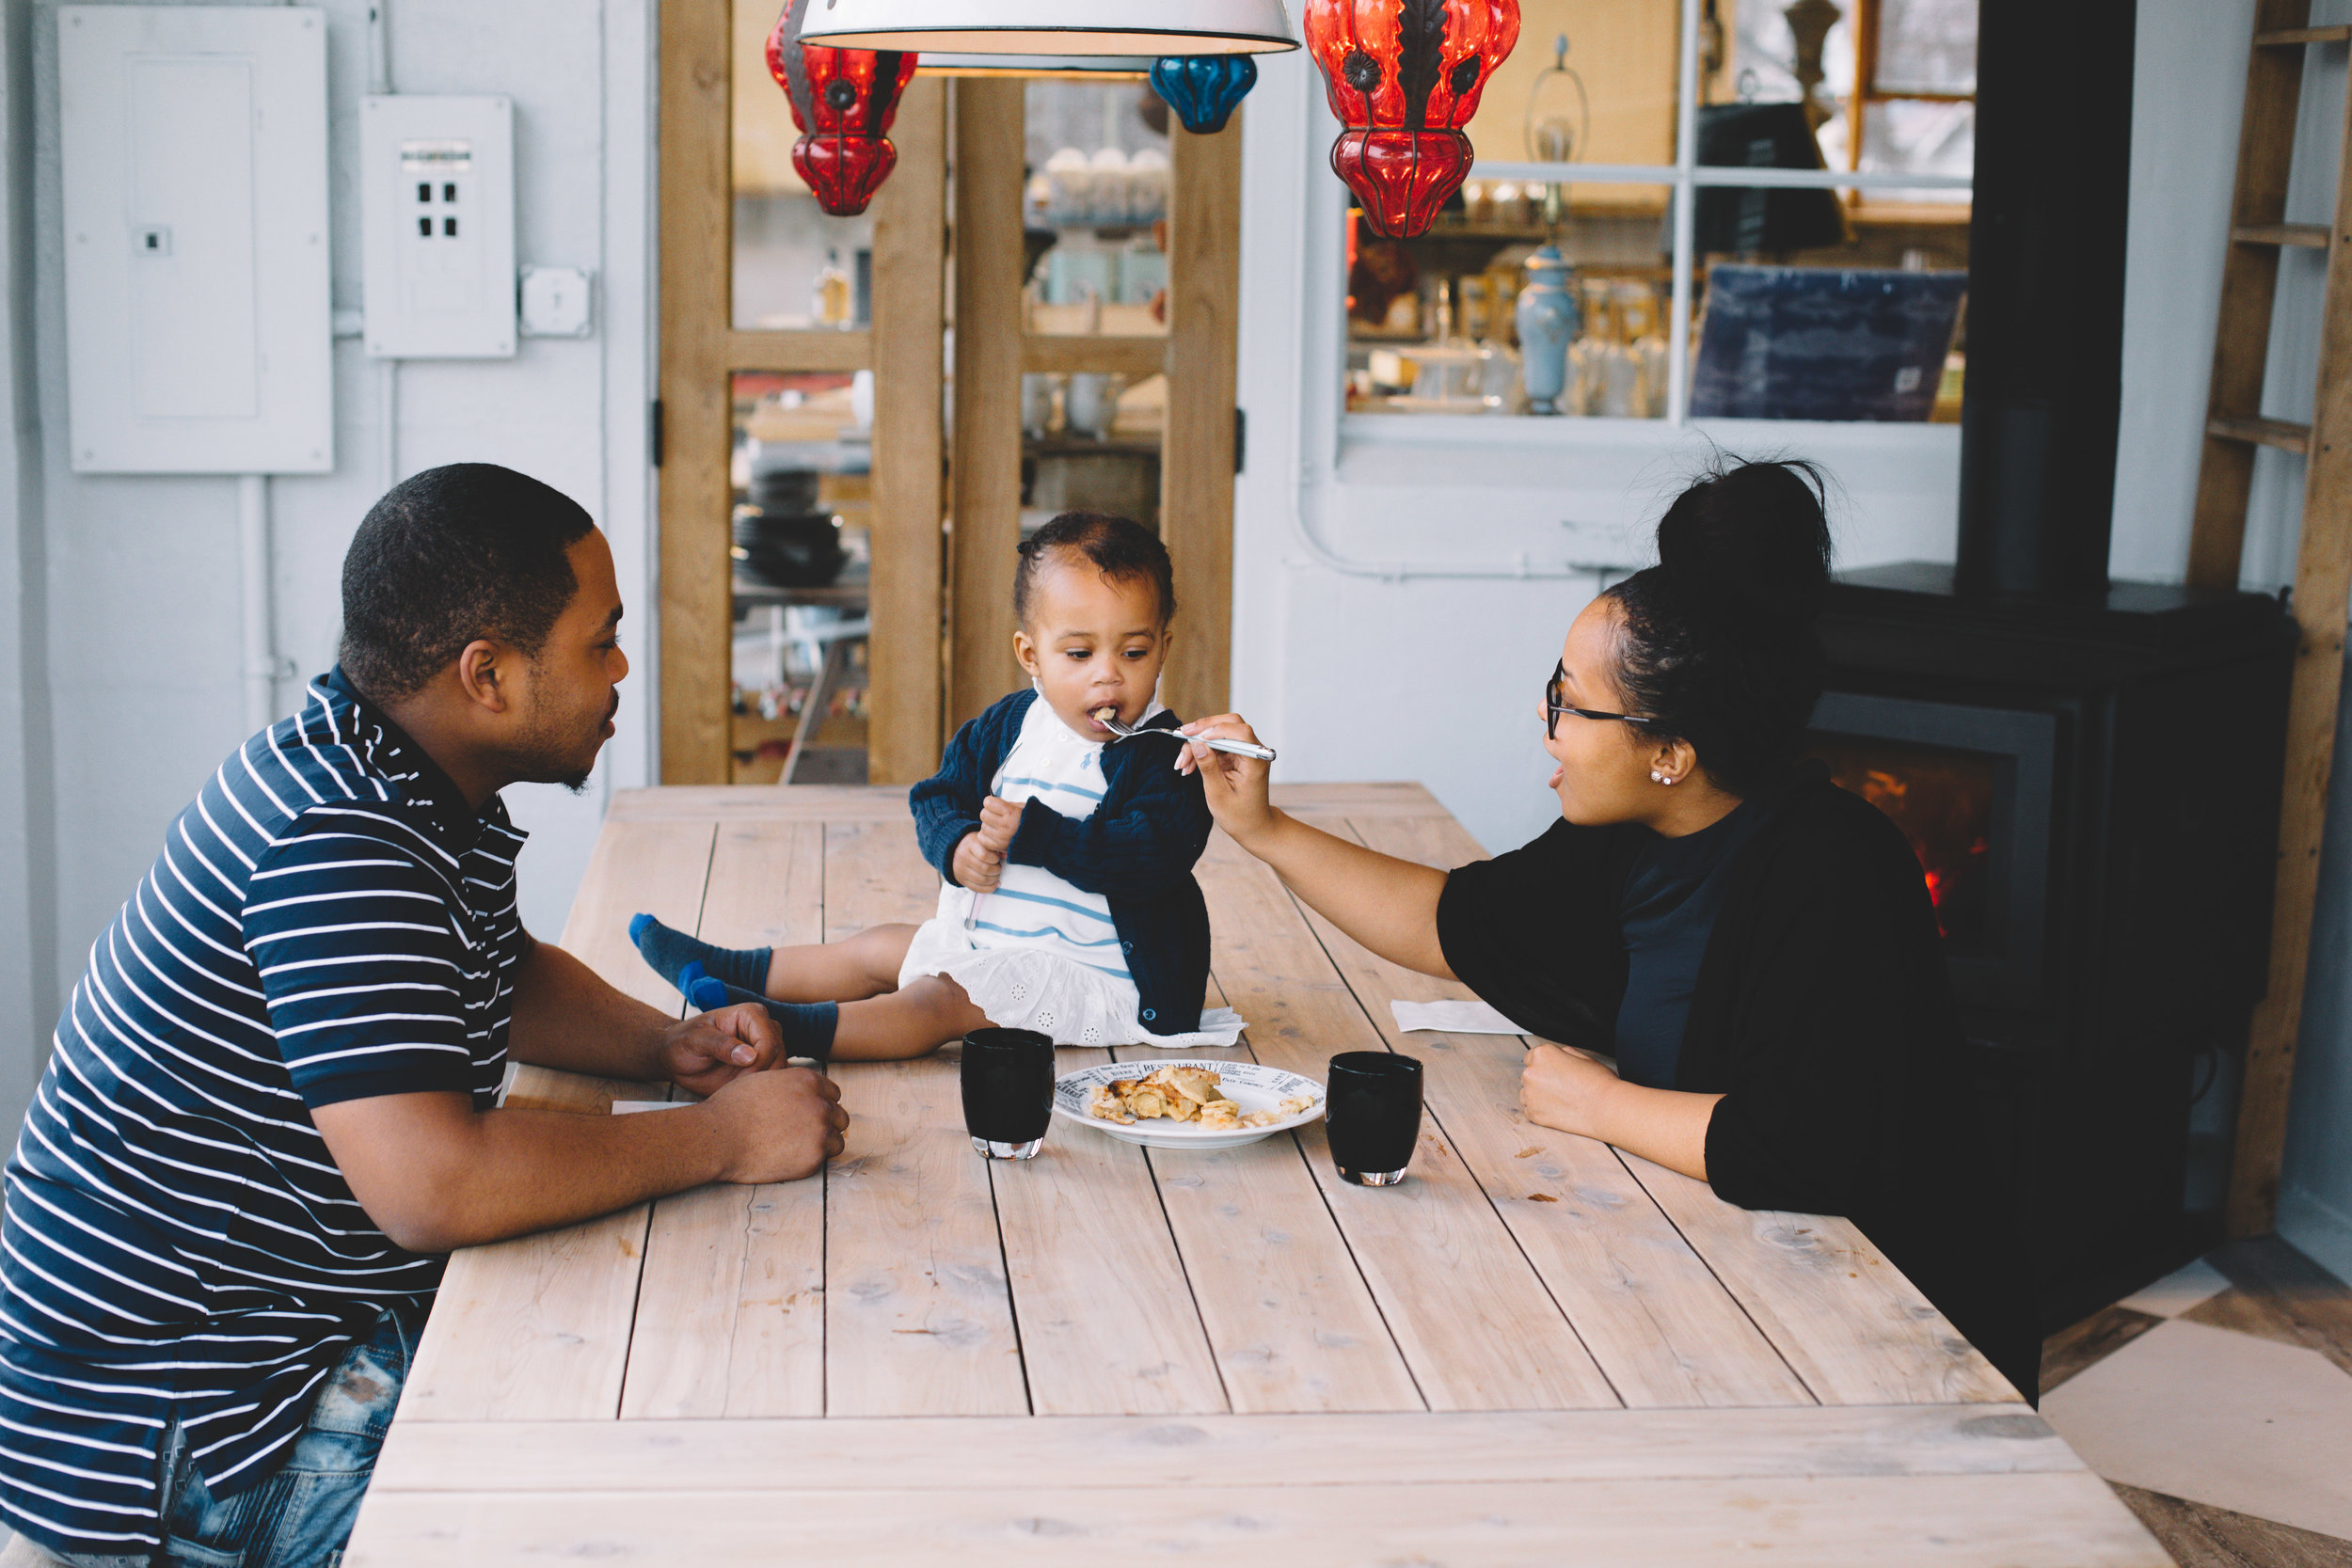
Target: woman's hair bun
x=1716, y=642
x=1752, y=533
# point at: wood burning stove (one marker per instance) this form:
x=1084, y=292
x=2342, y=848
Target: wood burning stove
x=1970, y=788
x=2092, y=785
x=2114, y=748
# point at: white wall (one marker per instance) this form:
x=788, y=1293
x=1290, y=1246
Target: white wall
x=129, y=595
x=28, y=987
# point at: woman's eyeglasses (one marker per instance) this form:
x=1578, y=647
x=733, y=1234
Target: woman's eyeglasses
x=1554, y=707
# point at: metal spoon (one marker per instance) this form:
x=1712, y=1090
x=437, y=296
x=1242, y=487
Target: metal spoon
x=1214, y=742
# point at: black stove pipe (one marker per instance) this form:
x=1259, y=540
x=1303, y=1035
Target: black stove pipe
x=2045, y=296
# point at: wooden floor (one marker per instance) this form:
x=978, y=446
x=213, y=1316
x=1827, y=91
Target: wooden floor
x=2201, y=1536
x=1535, y=1350
x=2275, y=1293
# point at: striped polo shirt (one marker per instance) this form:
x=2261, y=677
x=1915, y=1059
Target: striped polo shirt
x=328, y=921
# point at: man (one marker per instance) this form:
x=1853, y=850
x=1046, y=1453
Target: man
x=268, y=1112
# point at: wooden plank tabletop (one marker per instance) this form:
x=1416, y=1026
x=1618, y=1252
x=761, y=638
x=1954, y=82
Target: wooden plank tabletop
x=1536, y=1349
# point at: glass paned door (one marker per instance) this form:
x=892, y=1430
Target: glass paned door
x=801, y=361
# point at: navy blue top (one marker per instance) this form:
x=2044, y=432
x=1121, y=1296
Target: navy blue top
x=1138, y=849
x=1821, y=1016
x=1667, y=913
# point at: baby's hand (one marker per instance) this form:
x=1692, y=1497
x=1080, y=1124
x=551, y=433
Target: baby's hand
x=999, y=821
x=977, y=866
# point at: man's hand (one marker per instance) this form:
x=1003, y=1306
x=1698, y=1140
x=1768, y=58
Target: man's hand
x=704, y=1052
x=977, y=866
x=1561, y=1087
x=436, y=1175
x=999, y=821
x=777, y=1126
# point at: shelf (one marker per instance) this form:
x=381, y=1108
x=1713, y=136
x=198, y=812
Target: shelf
x=746, y=732
x=822, y=349
x=2313, y=235
x=1539, y=233
x=1073, y=353
x=1088, y=446
x=1909, y=215
x=848, y=592
x=2287, y=36
x=2285, y=434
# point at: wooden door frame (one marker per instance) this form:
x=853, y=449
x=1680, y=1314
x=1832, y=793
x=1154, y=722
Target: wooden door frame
x=1199, y=460
x=701, y=352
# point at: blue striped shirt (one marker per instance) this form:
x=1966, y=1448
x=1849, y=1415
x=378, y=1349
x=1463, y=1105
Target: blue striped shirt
x=328, y=921
x=1033, y=906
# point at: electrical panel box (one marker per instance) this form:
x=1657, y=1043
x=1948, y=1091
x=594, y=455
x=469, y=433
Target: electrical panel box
x=198, y=314
x=437, y=196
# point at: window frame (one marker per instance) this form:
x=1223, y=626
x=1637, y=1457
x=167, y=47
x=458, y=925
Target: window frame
x=1865, y=21
x=1684, y=179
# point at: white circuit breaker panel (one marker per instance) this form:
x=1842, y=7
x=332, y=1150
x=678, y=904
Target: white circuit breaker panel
x=437, y=194
x=199, y=318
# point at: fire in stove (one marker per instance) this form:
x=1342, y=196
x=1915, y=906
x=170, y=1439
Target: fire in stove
x=1942, y=802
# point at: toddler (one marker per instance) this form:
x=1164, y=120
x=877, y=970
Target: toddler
x=1070, y=906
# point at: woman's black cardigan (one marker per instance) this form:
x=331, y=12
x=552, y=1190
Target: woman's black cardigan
x=1138, y=849
x=1820, y=1015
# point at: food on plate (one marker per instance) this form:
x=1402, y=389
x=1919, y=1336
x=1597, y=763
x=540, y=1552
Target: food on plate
x=1181, y=1094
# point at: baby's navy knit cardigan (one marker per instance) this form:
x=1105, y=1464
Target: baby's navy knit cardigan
x=1138, y=849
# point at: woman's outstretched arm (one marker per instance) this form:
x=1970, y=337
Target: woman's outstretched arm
x=1388, y=905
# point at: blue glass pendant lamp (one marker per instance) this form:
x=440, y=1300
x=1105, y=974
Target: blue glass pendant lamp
x=1203, y=89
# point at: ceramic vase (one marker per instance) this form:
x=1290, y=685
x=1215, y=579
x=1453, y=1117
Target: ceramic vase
x=1549, y=320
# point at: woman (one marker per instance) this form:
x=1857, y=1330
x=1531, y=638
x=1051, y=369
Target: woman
x=1753, y=946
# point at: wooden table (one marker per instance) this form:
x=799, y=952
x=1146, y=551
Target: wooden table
x=1535, y=1351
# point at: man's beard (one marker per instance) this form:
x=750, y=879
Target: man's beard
x=547, y=754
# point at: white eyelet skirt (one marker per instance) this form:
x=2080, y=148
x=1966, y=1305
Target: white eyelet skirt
x=1027, y=988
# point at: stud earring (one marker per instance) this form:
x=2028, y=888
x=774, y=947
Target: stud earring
x=1655, y=777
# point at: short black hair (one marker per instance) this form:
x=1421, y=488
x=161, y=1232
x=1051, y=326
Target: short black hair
x=455, y=553
x=1716, y=644
x=1119, y=547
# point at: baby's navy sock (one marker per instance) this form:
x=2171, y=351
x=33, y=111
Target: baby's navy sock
x=807, y=1027
x=670, y=952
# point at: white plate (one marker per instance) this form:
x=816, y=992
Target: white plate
x=1254, y=1087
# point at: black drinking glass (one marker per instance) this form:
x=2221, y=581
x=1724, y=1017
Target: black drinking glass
x=1008, y=1091
x=1371, y=1116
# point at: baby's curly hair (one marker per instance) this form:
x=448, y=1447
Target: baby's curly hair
x=1120, y=548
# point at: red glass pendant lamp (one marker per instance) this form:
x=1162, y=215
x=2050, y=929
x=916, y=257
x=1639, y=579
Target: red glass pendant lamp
x=843, y=102
x=1405, y=77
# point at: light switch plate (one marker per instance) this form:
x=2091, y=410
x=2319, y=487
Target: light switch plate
x=193, y=141
x=557, y=302
x=437, y=200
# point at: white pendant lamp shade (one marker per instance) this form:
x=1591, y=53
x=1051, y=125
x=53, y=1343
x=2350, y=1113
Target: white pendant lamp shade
x=1145, y=28
x=1092, y=68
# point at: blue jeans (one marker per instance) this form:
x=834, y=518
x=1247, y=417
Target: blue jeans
x=300, y=1514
